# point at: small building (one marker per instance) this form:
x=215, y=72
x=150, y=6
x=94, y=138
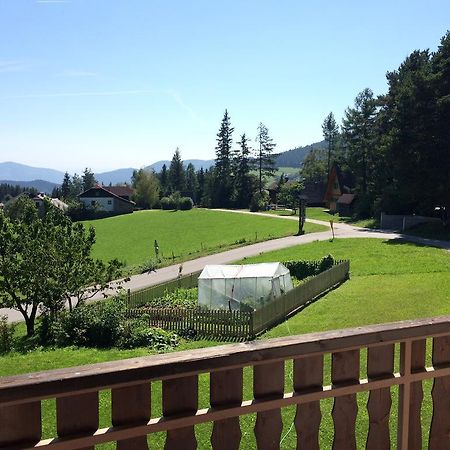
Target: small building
x=345, y=205
x=104, y=199
x=242, y=287
x=40, y=198
x=339, y=183
x=314, y=191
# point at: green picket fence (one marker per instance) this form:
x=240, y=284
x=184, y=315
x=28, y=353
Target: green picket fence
x=224, y=324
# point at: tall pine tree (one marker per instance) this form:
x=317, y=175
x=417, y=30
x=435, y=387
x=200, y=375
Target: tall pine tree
x=265, y=161
x=330, y=132
x=222, y=191
x=242, y=178
x=177, y=176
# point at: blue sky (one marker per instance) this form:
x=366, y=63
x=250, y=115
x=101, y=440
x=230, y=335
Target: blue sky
x=122, y=83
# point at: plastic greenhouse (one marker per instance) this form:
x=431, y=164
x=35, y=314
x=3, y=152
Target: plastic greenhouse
x=242, y=287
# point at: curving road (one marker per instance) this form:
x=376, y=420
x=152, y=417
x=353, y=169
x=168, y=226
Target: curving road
x=341, y=231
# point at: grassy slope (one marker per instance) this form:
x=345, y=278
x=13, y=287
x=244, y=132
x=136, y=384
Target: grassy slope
x=186, y=234
x=389, y=281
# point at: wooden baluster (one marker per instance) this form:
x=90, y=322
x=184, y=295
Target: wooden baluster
x=440, y=423
x=77, y=415
x=20, y=425
x=410, y=424
x=308, y=374
x=131, y=406
x=226, y=390
x=380, y=362
x=345, y=369
x=180, y=396
x=268, y=380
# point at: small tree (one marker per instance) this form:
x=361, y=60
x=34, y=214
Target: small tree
x=45, y=261
x=265, y=161
x=290, y=194
x=146, y=188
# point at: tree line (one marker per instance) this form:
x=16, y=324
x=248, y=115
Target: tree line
x=396, y=144
x=237, y=178
x=9, y=191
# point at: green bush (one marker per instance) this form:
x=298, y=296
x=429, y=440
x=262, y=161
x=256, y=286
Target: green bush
x=102, y=325
x=95, y=325
x=304, y=269
x=185, y=203
x=136, y=333
x=6, y=335
x=175, y=201
x=149, y=266
x=168, y=203
x=259, y=201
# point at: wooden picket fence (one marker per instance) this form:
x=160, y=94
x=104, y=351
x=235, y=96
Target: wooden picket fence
x=224, y=324
x=221, y=324
x=139, y=298
x=282, y=307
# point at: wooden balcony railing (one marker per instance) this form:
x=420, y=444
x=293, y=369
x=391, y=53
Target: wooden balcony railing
x=380, y=348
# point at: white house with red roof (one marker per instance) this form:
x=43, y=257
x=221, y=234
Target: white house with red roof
x=111, y=199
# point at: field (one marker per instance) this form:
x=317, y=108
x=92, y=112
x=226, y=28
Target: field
x=389, y=281
x=182, y=235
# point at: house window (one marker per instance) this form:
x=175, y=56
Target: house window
x=92, y=202
x=109, y=202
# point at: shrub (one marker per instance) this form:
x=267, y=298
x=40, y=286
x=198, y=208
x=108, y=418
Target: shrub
x=185, y=203
x=168, y=203
x=175, y=201
x=303, y=269
x=149, y=266
x=6, y=335
x=136, y=333
x=259, y=201
x=95, y=325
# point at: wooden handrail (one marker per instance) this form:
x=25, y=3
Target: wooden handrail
x=53, y=383
x=78, y=387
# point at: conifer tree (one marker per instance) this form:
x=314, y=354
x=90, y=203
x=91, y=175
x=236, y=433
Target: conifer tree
x=66, y=186
x=223, y=165
x=177, y=178
x=243, y=182
x=88, y=179
x=265, y=162
x=164, y=180
x=330, y=132
x=191, y=182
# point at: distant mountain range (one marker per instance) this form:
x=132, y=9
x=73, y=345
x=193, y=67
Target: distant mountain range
x=44, y=179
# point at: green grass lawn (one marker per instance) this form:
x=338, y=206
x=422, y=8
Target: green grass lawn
x=319, y=213
x=182, y=235
x=389, y=281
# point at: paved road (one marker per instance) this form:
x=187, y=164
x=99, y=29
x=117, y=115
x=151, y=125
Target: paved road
x=341, y=231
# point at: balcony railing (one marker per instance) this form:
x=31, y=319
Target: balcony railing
x=381, y=348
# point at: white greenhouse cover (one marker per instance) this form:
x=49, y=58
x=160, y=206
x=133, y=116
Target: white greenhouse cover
x=242, y=286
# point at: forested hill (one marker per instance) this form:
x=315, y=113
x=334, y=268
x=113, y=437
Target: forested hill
x=293, y=158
